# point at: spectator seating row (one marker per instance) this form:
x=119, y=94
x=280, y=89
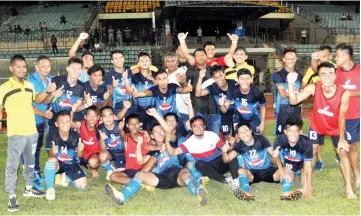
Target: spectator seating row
x=130, y=6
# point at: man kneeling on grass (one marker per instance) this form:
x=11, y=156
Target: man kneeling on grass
x=167, y=173
x=253, y=154
x=63, y=157
x=295, y=152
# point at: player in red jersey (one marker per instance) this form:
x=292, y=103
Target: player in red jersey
x=348, y=76
x=90, y=136
x=328, y=116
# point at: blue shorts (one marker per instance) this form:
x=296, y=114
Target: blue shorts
x=73, y=171
x=253, y=123
x=118, y=158
x=352, y=130
x=317, y=138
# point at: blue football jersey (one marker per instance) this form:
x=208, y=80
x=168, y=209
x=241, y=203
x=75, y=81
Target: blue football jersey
x=114, y=141
x=165, y=103
x=67, y=149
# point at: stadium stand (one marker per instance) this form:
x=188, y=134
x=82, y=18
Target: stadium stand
x=130, y=6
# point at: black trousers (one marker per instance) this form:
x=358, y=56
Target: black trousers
x=216, y=168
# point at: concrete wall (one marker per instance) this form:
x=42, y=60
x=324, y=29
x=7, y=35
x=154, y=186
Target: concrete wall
x=315, y=33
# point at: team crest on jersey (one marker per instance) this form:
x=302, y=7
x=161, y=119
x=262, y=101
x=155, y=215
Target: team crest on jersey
x=347, y=85
x=65, y=103
x=244, y=110
x=64, y=158
x=325, y=111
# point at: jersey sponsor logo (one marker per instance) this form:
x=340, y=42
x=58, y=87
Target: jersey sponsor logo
x=65, y=103
x=347, y=85
x=292, y=158
x=114, y=143
x=325, y=111
x=132, y=155
x=255, y=162
x=163, y=160
x=64, y=158
x=122, y=90
x=165, y=106
x=89, y=142
x=244, y=110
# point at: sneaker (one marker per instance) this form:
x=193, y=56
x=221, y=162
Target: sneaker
x=147, y=187
x=13, y=205
x=33, y=192
x=319, y=166
x=114, y=194
x=233, y=184
x=62, y=180
x=50, y=194
x=294, y=195
x=38, y=185
x=38, y=177
x=58, y=178
x=203, y=181
x=242, y=195
x=337, y=159
x=201, y=195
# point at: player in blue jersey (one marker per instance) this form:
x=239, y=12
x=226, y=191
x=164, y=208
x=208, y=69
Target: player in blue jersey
x=220, y=87
x=249, y=102
x=283, y=107
x=141, y=81
x=164, y=93
x=97, y=91
x=293, y=153
x=114, y=80
x=253, y=154
x=69, y=91
x=63, y=157
x=167, y=173
x=111, y=141
x=43, y=87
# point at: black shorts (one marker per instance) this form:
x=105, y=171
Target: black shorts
x=227, y=126
x=285, y=112
x=73, y=171
x=317, y=138
x=295, y=166
x=168, y=178
x=264, y=175
x=130, y=173
x=118, y=158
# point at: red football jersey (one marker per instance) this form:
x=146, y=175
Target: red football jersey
x=89, y=139
x=350, y=80
x=130, y=153
x=325, y=113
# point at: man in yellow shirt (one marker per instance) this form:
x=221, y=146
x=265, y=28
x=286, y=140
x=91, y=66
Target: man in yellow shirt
x=240, y=56
x=324, y=54
x=17, y=96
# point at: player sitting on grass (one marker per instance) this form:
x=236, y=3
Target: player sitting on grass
x=63, y=156
x=167, y=174
x=253, y=154
x=90, y=138
x=295, y=152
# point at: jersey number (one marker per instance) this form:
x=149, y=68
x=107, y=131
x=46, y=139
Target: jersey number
x=146, y=85
x=293, y=153
x=313, y=135
x=225, y=128
x=69, y=94
x=94, y=99
x=252, y=153
x=244, y=102
x=64, y=150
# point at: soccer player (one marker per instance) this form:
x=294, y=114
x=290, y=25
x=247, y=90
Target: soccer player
x=324, y=54
x=240, y=56
x=330, y=105
x=140, y=82
x=292, y=152
x=204, y=147
x=111, y=141
x=249, y=102
x=89, y=135
x=114, y=79
x=64, y=156
x=69, y=91
x=164, y=93
x=253, y=153
x=132, y=165
x=87, y=57
x=137, y=67
x=43, y=87
x=348, y=76
x=220, y=87
x=283, y=108
x=167, y=174
x=17, y=96
x=210, y=49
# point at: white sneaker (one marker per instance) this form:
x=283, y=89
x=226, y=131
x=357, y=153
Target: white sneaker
x=109, y=173
x=233, y=184
x=50, y=194
x=64, y=180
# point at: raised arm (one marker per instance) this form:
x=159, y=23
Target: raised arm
x=199, y=91
x=182, y=40
x=300, y=96
x=43, y=95
x=172, y=151
x=74, y=48
x=140, y=158
x=153, y=112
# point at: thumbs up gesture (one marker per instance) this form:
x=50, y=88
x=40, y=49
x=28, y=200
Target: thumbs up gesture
x=88, y=99
x=54, y=148
x=115, y=82
x=58, y=92
x=107, y=94
x=81, y=145
x=103, y=136
x=182, y=37
x=48, y=114
x=276, y=152
x=51, y=87
x=189, y=86
x=222, y=100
